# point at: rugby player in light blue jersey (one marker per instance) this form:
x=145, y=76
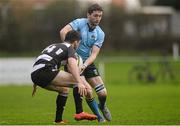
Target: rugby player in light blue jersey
x=92, y=38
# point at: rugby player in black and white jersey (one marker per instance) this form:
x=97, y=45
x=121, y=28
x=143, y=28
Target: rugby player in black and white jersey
x=47, y=75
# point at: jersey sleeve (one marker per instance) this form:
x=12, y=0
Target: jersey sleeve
x=75, y=24
x=71, y=52
x=100, y=40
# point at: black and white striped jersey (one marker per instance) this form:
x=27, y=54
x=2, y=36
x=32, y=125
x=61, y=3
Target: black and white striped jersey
x=54, y=55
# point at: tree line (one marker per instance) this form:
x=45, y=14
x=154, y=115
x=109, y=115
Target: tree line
x=29, y=30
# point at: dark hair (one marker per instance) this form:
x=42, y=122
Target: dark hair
x=72, y=36
x=94, y=7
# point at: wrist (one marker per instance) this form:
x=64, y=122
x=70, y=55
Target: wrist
x=85, y=65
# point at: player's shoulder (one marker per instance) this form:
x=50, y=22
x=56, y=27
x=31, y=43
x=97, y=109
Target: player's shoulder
x=63, y=45
x=100, y=31
x=81, y=20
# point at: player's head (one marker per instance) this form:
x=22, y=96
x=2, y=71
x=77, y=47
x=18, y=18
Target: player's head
x=94, y=14
x=73, y=37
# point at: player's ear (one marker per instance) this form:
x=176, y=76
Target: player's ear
x=76, y=42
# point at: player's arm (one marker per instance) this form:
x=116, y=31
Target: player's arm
x=95, y=49
x=64, y=30
x=92, y=57
x=73, y=68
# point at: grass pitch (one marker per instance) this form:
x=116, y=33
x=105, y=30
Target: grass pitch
x=130, y=102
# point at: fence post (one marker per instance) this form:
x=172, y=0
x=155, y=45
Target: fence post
x=175, y=51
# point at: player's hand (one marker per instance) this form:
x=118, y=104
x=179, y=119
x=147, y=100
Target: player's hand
x=83, y=68
x=82, y=89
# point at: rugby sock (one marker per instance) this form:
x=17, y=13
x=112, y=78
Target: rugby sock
x=94, y=107
x=77, y=100
x=60, y=104
x=102, y=101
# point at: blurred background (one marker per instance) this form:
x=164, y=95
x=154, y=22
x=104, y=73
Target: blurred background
x=135, y=30
x=26, y=26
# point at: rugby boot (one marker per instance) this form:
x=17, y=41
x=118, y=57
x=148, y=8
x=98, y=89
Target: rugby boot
x=101, y=120
x=84, y=116
x=106, y=113
x=61, y=122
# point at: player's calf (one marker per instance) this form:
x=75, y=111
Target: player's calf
x=102, y=94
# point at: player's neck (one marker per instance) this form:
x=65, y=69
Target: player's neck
x=67, y=42
x=91, y=27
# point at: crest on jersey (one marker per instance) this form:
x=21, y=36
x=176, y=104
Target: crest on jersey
x=93, y=37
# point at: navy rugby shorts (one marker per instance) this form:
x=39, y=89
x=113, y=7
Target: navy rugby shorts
x=43, y=77
x=91, y=71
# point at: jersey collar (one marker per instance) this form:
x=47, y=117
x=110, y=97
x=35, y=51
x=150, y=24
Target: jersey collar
x=66, y=44
x=90, y=29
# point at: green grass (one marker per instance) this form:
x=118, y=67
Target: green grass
x=130, y=101
x=129, y=104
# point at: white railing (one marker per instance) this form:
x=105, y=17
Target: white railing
x=15, y=70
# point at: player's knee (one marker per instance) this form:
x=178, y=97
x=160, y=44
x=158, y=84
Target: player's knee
x=63, y=94
x=101, y=90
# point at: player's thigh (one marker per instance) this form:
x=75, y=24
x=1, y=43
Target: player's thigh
x=64, y=79
x=92, y=75
x=94, y=81
x=58, y=89
x=98, y=85
x=88, y=86
x=54, y=88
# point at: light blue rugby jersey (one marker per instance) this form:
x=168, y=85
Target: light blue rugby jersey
x=88, y=38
